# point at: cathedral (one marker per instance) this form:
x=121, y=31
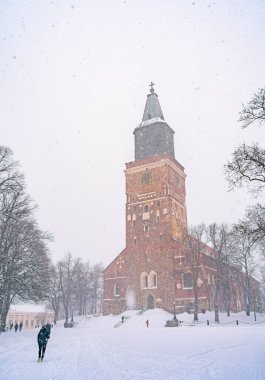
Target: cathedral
x=152, y=271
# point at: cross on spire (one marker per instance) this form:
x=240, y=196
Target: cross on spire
x=151, y=85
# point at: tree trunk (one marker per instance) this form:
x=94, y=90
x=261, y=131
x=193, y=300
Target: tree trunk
x=216, y=313
x=3, y=316
x=228, y=309
x=216, y=307
x=196, y=307
x=247, y=309
x=4, y=308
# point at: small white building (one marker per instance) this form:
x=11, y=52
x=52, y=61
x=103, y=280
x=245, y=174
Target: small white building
x=31, y=315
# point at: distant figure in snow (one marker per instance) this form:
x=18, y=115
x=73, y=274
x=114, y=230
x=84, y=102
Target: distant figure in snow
x=43, y=336
x=20, y=326
x=16, y=327
x=122, y=319
x=147, y=323
x=11, y=326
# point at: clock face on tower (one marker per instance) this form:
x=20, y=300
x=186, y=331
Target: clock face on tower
x=146, y=178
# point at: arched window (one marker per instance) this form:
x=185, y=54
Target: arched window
x=144, y=280
x=187, y=280
x=117, y=290
x=152, y=279
x=146, y=208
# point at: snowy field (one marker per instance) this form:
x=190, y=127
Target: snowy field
x=101, y=348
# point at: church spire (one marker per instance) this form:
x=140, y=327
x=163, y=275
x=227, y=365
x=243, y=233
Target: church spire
x=152, y=106
x=153, y=136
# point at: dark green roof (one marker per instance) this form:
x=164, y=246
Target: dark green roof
x=152, y=107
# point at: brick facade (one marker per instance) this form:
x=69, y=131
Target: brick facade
x=150, y=271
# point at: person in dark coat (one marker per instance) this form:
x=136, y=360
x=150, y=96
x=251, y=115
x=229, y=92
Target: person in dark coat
x=43, y=336
x=20, y=326
x=16, y=327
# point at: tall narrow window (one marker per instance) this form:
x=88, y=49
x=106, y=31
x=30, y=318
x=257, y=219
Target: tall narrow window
x=116, y=290
x=146, y=208
x=187, y=280
x=144, y=280
x=152, y=279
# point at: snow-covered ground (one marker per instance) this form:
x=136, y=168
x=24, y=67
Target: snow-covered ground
x=101, y=348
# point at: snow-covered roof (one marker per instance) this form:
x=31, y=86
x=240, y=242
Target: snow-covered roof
x=28, y=307
x=151, y=121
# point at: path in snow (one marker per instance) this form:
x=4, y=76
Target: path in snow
x=96, y=350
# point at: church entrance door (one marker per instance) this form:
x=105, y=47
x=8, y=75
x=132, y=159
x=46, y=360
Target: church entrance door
x=150, y=304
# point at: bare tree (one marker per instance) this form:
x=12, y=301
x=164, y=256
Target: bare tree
x=254, y=222
x=54, y=295
x=10, y=177
x=82, y=276
x=66, y=284
x=244, y=251
x=254, y=111
x=194, y=248
x=76, y=287
x=262, y=290
x=247, y=167
x=97, y=285
x=24, y=258
x=219, y=238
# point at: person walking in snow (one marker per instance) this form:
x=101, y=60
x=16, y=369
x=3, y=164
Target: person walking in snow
x=122, y=319
x=20, y=326
x=43, y=336
x=11, y=326
x=147, y=323
x=16, y=327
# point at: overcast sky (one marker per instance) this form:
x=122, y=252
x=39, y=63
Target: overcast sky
x=74, y=77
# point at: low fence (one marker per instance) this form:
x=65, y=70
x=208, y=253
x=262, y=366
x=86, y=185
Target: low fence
x=236, y=322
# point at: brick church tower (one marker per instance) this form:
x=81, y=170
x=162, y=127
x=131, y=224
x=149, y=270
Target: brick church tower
x=151, y=271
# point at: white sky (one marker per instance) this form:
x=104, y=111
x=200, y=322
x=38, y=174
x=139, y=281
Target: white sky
x=74, y=77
